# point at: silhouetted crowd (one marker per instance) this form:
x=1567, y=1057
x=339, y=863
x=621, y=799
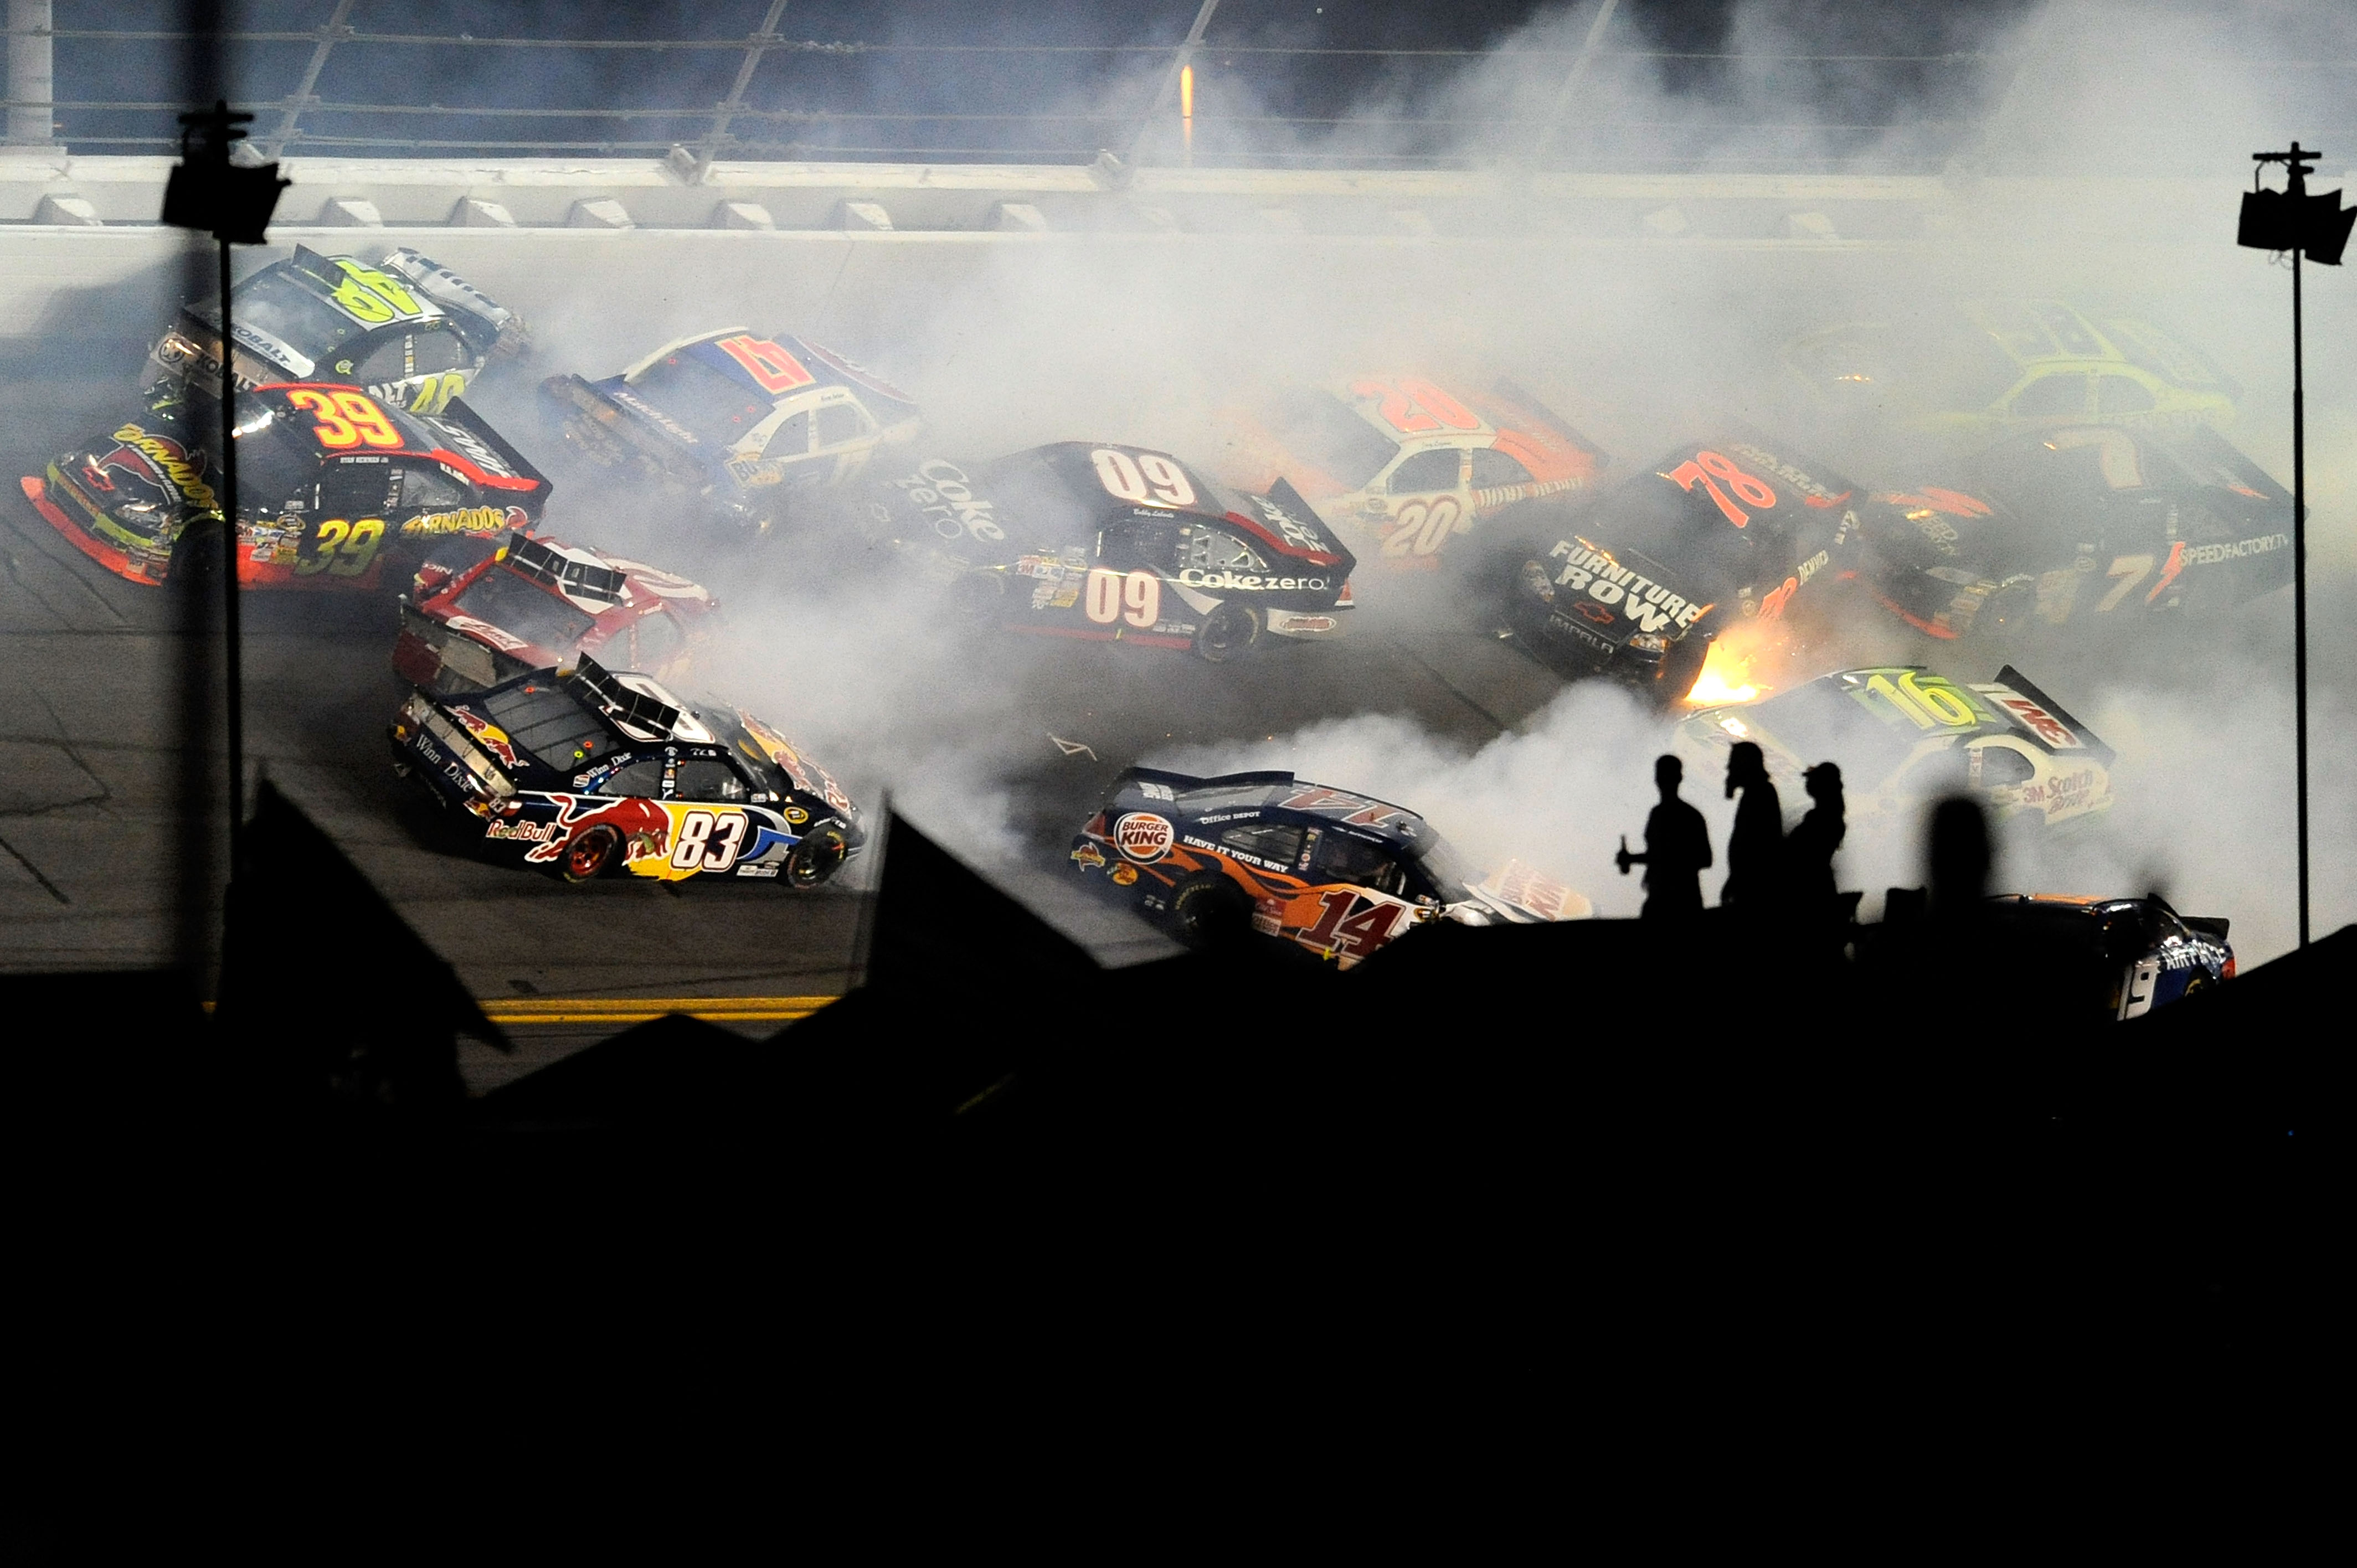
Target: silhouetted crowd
x=1770, y=874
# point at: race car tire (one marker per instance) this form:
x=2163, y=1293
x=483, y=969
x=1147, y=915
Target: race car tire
x=978, y=596
x=591, y=852
x=817, y=858
x=1210, y=911
x=1230, y=629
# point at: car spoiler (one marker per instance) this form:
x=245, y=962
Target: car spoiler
x=2213, y=925
x=456, y=412
x=1283, y=494
x=1525, y=403
x=1181, y=783
x=2014, y=680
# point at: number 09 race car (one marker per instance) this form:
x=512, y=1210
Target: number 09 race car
x=331, y=485
x=590, y=771
x=1114, y=544
x=1336, y=873
x=1905, y=737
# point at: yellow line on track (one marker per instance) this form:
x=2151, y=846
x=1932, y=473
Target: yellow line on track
x=512, y=1010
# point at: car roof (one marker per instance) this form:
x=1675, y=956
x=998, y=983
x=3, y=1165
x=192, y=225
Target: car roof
x=1358, y=814
x=823, y=365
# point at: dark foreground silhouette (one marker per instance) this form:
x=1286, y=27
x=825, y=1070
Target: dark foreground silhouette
x=1649, y=1162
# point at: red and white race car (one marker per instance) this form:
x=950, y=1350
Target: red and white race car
x=534, y=605
x=1403, y=464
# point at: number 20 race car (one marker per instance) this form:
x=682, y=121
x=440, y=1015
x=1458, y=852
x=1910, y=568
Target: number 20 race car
x=1336, y=873
x=1114, y=543
x=590, y=771
x=331, y=485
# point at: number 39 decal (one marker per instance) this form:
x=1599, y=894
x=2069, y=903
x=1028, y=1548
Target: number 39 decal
x=345, y=419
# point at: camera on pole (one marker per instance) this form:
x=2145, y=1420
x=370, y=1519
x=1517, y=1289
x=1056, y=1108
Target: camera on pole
x=232, y=202
x=2291, y=219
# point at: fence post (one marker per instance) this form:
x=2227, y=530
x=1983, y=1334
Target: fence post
x=32, y=80
x=1178, y=62
x=754, y=49
x=335, y=31
x=1574, y=80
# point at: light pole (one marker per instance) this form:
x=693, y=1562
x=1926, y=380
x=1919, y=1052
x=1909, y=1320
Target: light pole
x=2291, y=220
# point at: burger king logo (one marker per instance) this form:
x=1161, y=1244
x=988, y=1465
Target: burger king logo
x=1142, y=835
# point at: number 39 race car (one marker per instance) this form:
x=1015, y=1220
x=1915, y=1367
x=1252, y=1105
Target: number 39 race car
x=1336, y=873
x=533, y=605
x=1904, y=737
x=1114, y=543
x=331, y=485
x=408, y=330
x=746, y=424
x=590, y=771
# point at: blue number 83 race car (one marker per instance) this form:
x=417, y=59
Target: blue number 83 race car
x=590, y=771
x=1337, y=872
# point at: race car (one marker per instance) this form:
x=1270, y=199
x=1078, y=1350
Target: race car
x=1333, y=872
x=1905, y=735
x=1404, y=465
x=2091, y=525
x=746, y=425
x=1113, y=543
x=590, y=771
x=331, y=485
x=2133, y=954
x=1634, y=583
x=1994, y=365
x=535, y=602
x=407, y=330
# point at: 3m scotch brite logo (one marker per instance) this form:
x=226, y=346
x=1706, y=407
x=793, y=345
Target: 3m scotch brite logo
x=1142, y=835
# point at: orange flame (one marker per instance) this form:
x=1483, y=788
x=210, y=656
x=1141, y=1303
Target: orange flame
x=1726, y=678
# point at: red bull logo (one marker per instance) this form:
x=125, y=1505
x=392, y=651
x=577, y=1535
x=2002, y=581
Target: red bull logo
x=644, y=825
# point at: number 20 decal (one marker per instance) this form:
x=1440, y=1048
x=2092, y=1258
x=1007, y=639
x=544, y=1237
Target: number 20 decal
x=1707, y=468
x=1149, y=477
x=343, y=419
x=1413, y=407
x=1136, y=598
x=708, y=841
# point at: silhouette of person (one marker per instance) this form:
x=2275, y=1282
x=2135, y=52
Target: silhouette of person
x=1960, y=860
x=1755, y=849
x=1809, y=851
x=1677, y=850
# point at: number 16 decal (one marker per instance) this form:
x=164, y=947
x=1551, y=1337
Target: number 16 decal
x=1136, y=598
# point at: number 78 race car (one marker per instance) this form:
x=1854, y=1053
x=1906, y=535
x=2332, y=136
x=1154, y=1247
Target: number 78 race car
x=1336, y=873
x=590, y=771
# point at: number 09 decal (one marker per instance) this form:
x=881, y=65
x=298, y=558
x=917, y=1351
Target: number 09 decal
x=345, y=419
x=1148, y=478
x=1136, y=598
x=707, y=841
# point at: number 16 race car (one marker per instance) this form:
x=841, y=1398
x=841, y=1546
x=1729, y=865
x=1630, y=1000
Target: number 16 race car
x=1114, y=543
x=590, y=771
x=331, y=485
x=1336, y=873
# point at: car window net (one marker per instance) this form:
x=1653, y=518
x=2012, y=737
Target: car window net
x=1320, y=428
x=708, y=401
x=1434, y=470
x=707, y=778
x=526, y=610
x=548, y=723
x=1277, y=843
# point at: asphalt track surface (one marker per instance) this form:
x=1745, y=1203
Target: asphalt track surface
x=90, y=779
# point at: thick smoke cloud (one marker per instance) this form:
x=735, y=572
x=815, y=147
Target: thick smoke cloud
x=1144, y=338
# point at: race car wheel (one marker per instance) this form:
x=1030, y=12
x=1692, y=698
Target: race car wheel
x=818, y=857
x=591, y=852
x=979, y=596
x=1210, y=911
x=1228, y=630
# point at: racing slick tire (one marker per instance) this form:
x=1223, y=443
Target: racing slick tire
x=817, y=858
x=590, y=854
x=1230, y=629
x=1209, y=912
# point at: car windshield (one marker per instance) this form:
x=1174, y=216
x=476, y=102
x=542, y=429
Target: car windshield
x=1450, y=878
x=524, y=609
x=274, y=303
x=1320, y=428
x=708, y=400
x=546, y=721
x=275, y=462
x=1825, y=720
x=1036, y=505
x=1685, y=532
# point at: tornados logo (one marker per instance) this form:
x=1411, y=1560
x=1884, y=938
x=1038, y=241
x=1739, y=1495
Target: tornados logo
x=1144, y=836
x=166, y=457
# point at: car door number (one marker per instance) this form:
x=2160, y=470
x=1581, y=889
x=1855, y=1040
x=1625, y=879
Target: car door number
x=707, y=841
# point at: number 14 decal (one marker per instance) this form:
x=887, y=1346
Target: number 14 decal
x=1339, y=930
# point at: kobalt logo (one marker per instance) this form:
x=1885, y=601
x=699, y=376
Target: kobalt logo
x=1195, y=577
x=1142, y=835
x=939, y=488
